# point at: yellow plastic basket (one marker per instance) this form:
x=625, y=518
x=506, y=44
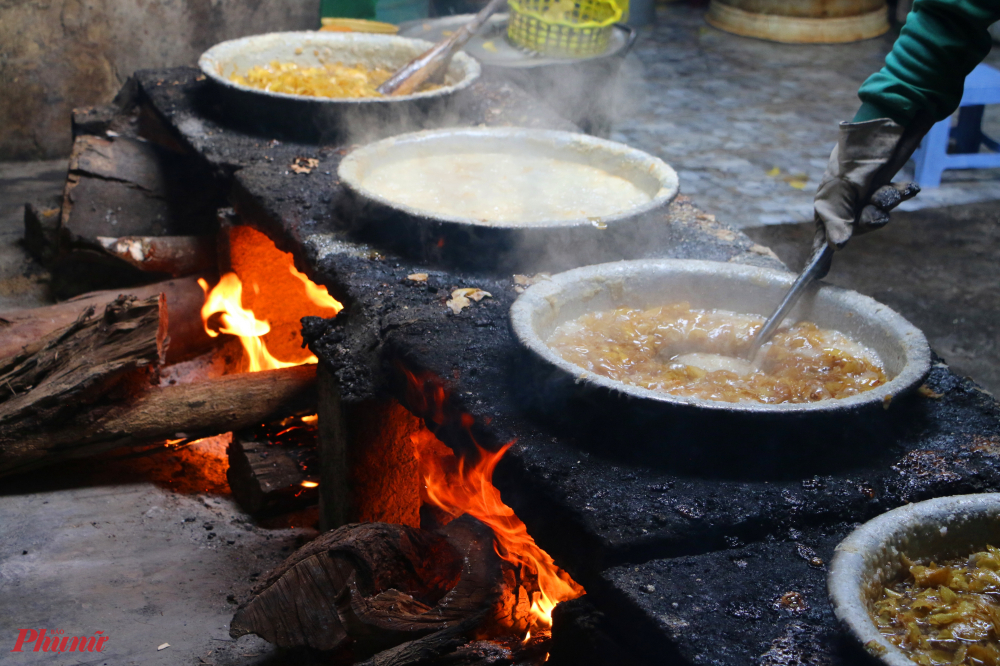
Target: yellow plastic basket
x=573, y=28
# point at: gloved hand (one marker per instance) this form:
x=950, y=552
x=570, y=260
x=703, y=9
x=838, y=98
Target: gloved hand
x=847, y=201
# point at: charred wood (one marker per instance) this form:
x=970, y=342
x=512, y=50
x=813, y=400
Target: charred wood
x=373, y=587
x=86, y=389
x=185, y=330
x=428, y=649
x=176, y=256
x=41, y=229
x=583, y=636
x=266, y=473
x=120, y=186
x=479, y=653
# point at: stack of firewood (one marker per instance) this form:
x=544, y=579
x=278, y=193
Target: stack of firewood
x=83, y=376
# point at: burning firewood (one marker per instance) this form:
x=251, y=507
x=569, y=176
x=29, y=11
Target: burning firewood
x=184, y=327
x=85, y=388
x=380, y=588
x=272, y=467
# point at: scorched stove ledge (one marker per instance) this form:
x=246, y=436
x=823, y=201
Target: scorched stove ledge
x=710, y=565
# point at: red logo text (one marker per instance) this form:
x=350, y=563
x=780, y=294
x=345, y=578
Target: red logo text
x=41, y=640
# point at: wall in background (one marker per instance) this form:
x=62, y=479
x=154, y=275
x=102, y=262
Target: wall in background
x=59, y=54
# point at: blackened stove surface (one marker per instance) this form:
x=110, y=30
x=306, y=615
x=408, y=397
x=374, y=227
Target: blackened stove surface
x=618, y=522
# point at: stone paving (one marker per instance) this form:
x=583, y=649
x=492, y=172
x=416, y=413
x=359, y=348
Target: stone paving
x=749, y=124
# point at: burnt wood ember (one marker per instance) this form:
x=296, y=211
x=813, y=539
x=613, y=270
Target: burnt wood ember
x=268, y=465
x=372, y=587
x=41, y=229
x=596, y=499
x=582, y=636
x=186, y=335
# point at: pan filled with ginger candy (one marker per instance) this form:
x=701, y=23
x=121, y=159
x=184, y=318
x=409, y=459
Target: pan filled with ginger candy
x=921, y=584
x=675, y=334
x=322, y=86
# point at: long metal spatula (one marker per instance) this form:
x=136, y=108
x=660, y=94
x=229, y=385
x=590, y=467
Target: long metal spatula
x=822, y=256
x=435, y=60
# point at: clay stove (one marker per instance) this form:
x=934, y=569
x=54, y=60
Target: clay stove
x=679, y=566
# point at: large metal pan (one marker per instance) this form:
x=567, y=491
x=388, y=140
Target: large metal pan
x=872, y=557
x=581, y=89
x=325, y=119
x=468, y=242
x=901, y=347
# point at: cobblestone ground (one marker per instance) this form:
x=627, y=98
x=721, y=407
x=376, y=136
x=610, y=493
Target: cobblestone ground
x=749, y=124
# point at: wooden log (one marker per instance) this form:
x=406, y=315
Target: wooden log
x=174, y=255
x=184, y=298
x=120, y=186
x=266, y=473
x=147, y=414
x=429, y=649
x=77, y=368
x=370, y=587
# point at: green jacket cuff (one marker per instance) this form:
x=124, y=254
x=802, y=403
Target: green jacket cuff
x=869, y=111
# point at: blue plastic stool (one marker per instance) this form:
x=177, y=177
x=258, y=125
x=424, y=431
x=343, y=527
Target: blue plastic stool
x=982, y=87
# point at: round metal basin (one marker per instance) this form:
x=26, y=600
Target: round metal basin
x=566, y=84
x=477, y=243
x=870, y=557
x=901, y=347
x=323, y=118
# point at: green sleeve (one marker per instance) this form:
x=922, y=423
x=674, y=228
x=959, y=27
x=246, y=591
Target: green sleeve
x=942, y=41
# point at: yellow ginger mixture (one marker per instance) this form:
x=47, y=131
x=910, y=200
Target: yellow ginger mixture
x=331, y=80
x=946, y=613
x=647, y=348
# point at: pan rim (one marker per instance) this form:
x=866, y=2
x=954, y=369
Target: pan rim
x=668, y=180
x=539, y=295
x=209, y=59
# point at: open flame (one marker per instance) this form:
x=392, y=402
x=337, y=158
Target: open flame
x=226, y=301
x=458, y=487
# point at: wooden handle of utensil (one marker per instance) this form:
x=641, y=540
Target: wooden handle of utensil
x=422, y=68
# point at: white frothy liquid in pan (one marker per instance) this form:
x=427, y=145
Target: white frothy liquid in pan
x=501, y=187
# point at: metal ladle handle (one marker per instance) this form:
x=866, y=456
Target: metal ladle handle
x=817, y=266
x=822, y=256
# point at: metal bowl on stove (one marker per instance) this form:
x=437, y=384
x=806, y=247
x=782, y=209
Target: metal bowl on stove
x=871, y=557
x=689, y=424
x=582, y=90
x=516, y=244
x=310, y=118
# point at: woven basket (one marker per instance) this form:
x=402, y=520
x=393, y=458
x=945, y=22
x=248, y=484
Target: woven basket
x=569, y=28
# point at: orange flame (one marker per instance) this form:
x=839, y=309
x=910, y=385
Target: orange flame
x=317, y=293
x=458, y=488
x=226, y=300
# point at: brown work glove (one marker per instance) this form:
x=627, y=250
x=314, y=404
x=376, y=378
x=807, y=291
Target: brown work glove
x=848, y=200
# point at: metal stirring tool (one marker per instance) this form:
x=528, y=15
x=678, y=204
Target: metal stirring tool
x=882, y=194
x=432, y=63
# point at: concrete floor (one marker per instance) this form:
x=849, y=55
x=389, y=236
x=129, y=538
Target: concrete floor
x=153, y=550
x=938, y=267
x=149, y=550
x=22, y=281
x=727, y=112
